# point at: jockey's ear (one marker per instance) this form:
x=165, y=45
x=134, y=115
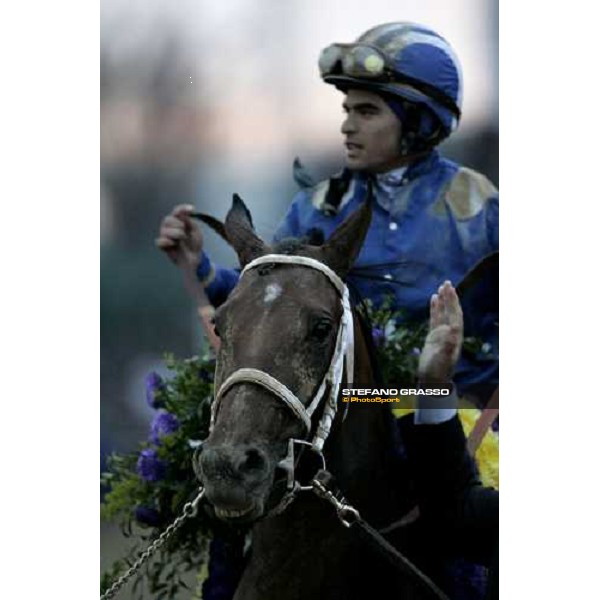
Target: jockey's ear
x=241, y=234
x=341, y=250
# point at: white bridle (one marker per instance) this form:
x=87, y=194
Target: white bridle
x=343, y=355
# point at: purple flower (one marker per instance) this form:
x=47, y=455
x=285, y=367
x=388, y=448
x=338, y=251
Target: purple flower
x=154, y=384
x=149, y=466
x=147, y=516
x=378, y=336
x=416, y=351
x=163, y=424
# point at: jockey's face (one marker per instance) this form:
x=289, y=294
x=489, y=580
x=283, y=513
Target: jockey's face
x=371, y=133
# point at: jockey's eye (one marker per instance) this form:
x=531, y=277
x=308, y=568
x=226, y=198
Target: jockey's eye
x=321, y=328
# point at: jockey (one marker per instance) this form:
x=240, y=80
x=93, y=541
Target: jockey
x=432, y=218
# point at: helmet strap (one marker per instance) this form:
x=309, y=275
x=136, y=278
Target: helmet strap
x=412, y=143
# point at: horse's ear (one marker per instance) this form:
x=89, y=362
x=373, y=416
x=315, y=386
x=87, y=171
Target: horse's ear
x=213, y=223
x=240, y=232
x=341, y=250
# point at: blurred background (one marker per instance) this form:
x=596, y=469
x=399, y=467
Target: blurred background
x=202, y=99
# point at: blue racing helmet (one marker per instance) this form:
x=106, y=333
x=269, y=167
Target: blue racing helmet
x=402, y=60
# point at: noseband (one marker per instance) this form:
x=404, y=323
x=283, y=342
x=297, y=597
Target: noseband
x=343, y=355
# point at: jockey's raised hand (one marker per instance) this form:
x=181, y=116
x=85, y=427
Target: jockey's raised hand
x=443, y=343
x=180, y=238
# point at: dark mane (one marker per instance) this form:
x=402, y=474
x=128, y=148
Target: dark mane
x=289, y=246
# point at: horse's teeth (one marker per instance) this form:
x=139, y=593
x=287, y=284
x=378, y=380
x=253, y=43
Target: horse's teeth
x=222, y=512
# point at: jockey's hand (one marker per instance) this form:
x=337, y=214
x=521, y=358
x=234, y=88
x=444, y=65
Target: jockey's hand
x=180, y=238
x=443, y=343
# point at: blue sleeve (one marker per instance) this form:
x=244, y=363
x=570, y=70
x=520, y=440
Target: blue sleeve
x=492, y=223
x=290, y=225
x=218, y=282
x=478, y=371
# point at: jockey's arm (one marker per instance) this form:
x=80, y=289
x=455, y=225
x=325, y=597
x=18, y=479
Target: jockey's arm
x=462, y=513
x=217, y=281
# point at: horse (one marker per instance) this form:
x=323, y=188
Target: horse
x=281, y=335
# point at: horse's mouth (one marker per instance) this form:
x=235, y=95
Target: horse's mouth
x=239, y=515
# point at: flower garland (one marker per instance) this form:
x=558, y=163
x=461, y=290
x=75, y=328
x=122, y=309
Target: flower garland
x=148, y=488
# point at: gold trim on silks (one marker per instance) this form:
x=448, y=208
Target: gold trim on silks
x=318, y=195
x=487, y=455
x=466, y=195
x=320, y=191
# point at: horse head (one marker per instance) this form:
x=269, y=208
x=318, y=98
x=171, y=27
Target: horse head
x=280, y=335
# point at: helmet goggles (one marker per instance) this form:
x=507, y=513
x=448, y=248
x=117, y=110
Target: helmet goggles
x=365, y=62
x=355, y=60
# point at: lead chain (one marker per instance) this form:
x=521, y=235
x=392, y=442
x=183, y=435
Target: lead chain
x=189, y=510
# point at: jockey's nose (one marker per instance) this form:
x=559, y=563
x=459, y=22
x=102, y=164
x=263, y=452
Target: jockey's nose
x=348, y=125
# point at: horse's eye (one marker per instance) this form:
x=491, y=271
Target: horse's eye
x=321, y=328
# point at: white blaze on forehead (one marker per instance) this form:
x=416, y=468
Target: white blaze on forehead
x=272, y=291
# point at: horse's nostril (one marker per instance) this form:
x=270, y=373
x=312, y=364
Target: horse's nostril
x=253, y=461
